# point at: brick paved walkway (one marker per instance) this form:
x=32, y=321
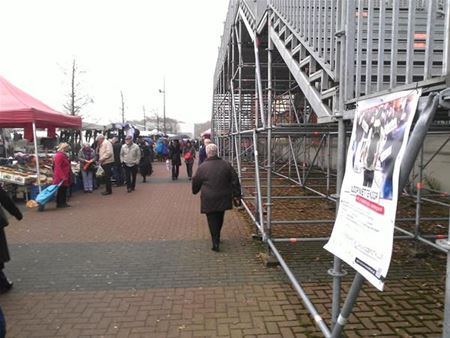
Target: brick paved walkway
x=140, y=265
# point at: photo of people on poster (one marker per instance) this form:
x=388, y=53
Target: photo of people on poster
x=378, y=138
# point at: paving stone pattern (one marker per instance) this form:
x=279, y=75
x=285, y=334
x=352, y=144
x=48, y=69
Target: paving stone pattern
x=140, y=265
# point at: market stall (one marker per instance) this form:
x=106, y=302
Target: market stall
x=20, y=110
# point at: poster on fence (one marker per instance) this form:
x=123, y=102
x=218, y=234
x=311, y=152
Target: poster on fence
x=364, y=228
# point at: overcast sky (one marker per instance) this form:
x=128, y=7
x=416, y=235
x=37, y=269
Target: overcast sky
x=128, y=45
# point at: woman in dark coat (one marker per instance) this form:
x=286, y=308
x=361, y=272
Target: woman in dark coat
x=175, y=158
x=220, y=187
x=189, y=156
x=8, y=204
x=145, y=165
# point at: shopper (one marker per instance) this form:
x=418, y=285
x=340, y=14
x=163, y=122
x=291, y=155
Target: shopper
x=130, y=156
x=7, y=203
x=175, y=158
x=219, y=186
x=106, y=160
x=117, y=169
x=202, y=151
x=189, y=157
x=87, y=166
x=145, y=165
x=62, y=174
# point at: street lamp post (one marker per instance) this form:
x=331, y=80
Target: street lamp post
x=145, y=118
x=163, y=91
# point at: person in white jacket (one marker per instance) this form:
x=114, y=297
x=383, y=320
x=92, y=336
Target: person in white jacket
x=106, y=160
x=130, y=155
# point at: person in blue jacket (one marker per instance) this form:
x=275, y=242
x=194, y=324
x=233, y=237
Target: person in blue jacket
x=202, y=151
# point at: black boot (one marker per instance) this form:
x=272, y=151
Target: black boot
x=5, y=284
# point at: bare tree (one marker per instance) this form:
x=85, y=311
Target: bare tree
x=172, y=125
x=155, y=121
x=76, y=99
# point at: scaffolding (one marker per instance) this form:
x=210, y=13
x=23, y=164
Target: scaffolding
x=287, y=80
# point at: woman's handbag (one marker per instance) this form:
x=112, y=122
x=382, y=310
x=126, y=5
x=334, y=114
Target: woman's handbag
x=100, y=171
x=187, y=156
x=87, y=164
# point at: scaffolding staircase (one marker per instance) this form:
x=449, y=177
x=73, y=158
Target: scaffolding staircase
x=327, y=46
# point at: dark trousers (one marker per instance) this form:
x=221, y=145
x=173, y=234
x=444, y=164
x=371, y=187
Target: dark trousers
x=215, y=222
x=61, y=196
x=130, y=174
x=117, y=172
x=189, y=166
x=368, y=178
x=108, y=173
x=175, y=170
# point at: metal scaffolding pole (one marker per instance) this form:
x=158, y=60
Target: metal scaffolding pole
x=259, y=206
x=445, y=244
x=294, y=159
x=336, y=272
x=259, y=82
x=419, y=187
x=269, y=134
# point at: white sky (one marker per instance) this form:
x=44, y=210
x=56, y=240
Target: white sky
x=128, y=45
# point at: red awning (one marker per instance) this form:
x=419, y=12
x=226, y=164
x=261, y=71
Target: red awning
x=20, y=110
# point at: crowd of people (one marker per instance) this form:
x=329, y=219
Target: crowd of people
x=105, y=159
x=110, y=160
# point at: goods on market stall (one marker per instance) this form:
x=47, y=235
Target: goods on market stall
x=12, y=175
x=21, y=170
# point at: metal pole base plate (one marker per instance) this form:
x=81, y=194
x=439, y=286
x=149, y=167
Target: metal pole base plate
x=269, y=260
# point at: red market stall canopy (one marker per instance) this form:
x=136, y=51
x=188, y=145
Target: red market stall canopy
x=20, y=110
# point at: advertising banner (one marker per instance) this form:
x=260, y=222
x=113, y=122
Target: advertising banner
x=363, y=231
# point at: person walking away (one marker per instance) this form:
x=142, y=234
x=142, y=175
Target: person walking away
x=7, y=203
x=189, y=156
x=202, y=151
x=219, y=186
x=175, y=158
x=62, y=174
x=145, y=164
x=87, y=166
x=117, y=169
x=106, y=160
x=130, y=156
